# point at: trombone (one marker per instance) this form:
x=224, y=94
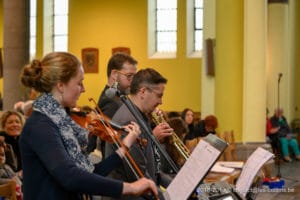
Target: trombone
x=177, y=142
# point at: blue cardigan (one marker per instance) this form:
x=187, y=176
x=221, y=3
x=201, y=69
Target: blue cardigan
x=48, y=171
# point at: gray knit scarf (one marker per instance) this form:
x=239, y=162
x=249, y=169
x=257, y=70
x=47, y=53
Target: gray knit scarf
x=74, y=137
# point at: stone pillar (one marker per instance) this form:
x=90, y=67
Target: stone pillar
x=295, y=24
x=254, y=77
x=228, y=83
x=278, y=56
x=16, y=49
x=208, y=82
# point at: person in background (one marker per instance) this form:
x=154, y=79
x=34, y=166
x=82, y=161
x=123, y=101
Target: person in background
x=207, y=126
x=120, y=70
x=6, y=172
x=1, y=102
x=180, y=129
x=188, y=116
x=173, y=114
x=25, y=107
x=12, y=123
x=146, y=93
x=191, y=139
x=271, y=133
x=286, y=137
x=55, y=163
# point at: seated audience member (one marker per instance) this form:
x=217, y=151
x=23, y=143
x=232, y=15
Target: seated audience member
x=6, y=172
x=25, y=107
x=18, y=106
x=179, y=127
x=173, y=114
x=12, y=123
x=271, y=132
x=188, y=116
x=207, y=126
x=286, y=137
x=190, y=140
x=1, y=102
x=203, y=128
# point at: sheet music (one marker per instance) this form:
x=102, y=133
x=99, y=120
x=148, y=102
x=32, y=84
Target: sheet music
x=232, y=164
x=193, y=171
x=221, y=169
x=250, y=169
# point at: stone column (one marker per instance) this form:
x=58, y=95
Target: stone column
x=295, y=60
x=278, y=56
x=16, y=49
x=254, y=77
x=207, y=81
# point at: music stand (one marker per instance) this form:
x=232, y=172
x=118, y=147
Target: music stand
x=278, y=154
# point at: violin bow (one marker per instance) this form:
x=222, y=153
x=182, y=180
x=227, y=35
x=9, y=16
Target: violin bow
x=128, y=158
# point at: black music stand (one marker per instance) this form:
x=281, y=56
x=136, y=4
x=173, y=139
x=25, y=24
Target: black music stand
x=278, y=153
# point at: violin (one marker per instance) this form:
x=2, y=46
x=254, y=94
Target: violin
x=102, y=126
x=94, y=124
x=80, y=118
x=98, y=126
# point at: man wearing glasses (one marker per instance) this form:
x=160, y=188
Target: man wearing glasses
x=121, y=68
x=146, y=93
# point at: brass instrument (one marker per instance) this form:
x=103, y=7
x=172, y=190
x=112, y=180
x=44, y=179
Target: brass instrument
x=177, y=142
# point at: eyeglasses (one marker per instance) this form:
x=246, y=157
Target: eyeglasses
x=129, y=76
x=158, y=94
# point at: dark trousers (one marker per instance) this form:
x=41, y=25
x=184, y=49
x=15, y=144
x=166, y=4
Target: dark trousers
x=275, y=143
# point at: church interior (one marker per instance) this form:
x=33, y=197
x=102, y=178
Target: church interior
x=247, y=62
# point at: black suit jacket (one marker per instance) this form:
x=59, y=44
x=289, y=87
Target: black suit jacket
x=143, y=156
x=108, y=106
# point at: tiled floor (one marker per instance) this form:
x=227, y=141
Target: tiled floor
x=290, y=173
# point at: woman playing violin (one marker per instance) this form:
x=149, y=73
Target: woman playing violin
x=55, y=165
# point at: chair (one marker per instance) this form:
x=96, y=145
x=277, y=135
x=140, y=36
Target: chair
x=191, y=144
x=230, y=154
x=8, y=190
